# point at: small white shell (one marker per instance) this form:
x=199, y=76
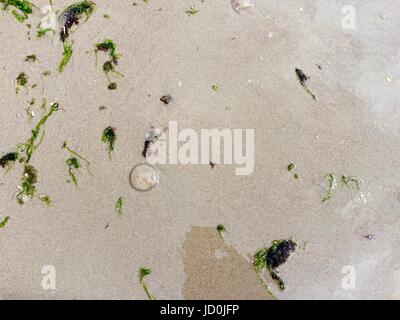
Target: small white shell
x=144, y=177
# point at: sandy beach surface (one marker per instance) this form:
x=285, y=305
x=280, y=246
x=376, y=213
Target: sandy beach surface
x=352, y=129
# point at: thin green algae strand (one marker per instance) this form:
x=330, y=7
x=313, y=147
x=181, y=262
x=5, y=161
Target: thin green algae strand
x=332, y=185
x=67, y=54
x=144, y=272
x=119, y=206
x=30, y=146
x=73, y=163
x=65, y=146
x=4, y=222
x=352, y=182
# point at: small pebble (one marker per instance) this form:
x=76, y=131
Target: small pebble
x=166, y=99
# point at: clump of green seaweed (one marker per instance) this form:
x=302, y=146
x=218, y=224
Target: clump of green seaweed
x=271, y=258
x=109, y=47
x=4, y=222
x=69, y=17
x=22, y=8
x=144, y=272
x=109, y=67
x=119, y=206
x=28, y=184
x=21, y=81
x=112, y=86
x=42, y=32
x=31, y=58
x=30, y=174
x=109, y=137
x=73, y=163
x=46, y=199
x=290, y=168
x=303, y=81
x=221, y=229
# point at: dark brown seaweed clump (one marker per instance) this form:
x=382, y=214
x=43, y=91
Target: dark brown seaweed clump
x=21, y=81
x=71, y=16
x=112, y=86
x=271, y=258
x=8, y=158
x=109, y=47
x=109, y=67
x=303, y=78
x=280, y=252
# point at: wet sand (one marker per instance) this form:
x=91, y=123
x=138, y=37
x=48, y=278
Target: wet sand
x=353, y=128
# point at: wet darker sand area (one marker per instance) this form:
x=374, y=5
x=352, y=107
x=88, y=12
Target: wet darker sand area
x=215, y=270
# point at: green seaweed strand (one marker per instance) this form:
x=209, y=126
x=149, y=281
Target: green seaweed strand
x=119, y=206
x=67, y=54
x=30, y=146
x=22, y=9
x=144, y=272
